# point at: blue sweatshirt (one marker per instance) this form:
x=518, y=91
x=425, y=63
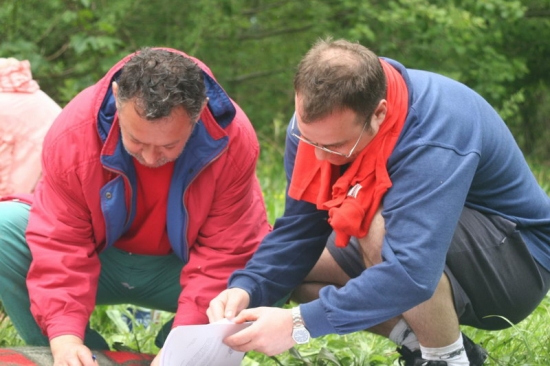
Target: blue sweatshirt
x=454, y=151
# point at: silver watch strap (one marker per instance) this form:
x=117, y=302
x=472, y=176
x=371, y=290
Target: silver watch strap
x=297, y=320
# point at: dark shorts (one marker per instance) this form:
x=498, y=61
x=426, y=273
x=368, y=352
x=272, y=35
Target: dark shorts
x=495, y=280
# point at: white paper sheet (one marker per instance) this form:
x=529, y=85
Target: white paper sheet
x=201, y=345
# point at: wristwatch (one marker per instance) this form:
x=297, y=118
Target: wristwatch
x=299, y=332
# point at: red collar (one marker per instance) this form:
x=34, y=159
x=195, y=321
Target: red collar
x=353, y=198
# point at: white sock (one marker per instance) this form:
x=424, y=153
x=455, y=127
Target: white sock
x=402, y=335
x=454, y=354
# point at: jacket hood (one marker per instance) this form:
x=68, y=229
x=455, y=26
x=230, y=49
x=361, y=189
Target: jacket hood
x=219, y=103
x=16, y=76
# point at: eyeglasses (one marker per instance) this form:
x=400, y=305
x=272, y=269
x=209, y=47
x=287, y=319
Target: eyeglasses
x=326, y=149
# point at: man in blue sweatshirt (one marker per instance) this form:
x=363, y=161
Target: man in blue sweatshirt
x=410, y=211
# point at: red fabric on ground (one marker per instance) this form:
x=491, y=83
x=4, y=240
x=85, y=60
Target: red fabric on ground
x=126, y=358
x=10, y=357
x=42, y=356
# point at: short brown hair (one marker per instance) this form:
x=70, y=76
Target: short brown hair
x=336, y=75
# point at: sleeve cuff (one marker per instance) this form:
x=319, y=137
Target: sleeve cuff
x=66, y=325
x=250, y=286
x=316, y=319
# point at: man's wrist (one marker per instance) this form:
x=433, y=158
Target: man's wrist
x=60, y=342
x=66, y=338
x=300, y=334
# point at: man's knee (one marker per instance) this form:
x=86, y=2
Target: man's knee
x=327, y=270
x=371, y=245
x=14, y=217
x=14, y=252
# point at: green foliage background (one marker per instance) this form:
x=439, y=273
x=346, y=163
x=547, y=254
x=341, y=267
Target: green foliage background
x=500, y=48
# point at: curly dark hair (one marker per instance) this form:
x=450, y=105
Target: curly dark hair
x=336, y=75
x=158, y=80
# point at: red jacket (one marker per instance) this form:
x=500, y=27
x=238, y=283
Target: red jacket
x=86, y=201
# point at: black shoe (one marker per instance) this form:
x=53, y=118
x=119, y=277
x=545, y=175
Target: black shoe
x=414, y=358
x=476, y=355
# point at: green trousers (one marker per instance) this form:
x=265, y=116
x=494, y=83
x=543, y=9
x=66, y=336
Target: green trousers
x=148, y=281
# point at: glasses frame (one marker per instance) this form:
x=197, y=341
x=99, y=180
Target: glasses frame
x=321, y=147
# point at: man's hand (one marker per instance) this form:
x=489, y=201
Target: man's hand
x=227, y=304
x=271, y=332
x=69, y=350
x=156, y=360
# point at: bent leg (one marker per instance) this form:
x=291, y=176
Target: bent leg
x=15, y=260
x=325, y=272
x=338, y=265
x=149, y=281
x=435, y=321
x=494, y=278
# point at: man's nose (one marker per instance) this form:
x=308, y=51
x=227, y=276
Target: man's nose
x=149, y=155
x=321, y=154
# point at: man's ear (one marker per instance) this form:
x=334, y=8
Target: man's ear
x=379, y=115
x=204, y=104
x=114, y=85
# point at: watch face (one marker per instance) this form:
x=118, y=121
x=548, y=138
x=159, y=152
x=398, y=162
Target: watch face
x=300, y=335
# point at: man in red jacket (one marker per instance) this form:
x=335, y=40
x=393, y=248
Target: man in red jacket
x=148, y=196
